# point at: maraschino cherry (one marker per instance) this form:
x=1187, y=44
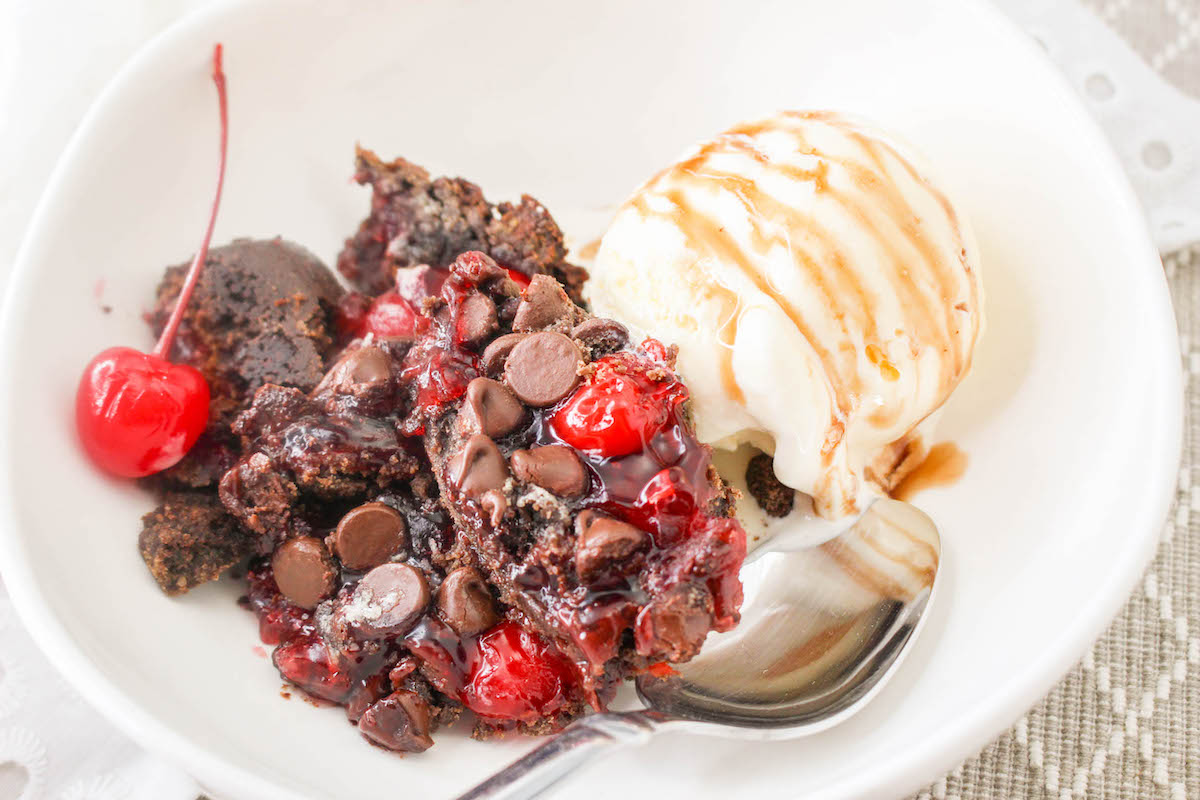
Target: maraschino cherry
x=137, y=413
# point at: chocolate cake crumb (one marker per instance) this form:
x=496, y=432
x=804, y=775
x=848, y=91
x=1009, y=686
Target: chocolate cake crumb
x=417, y=219
x=237, y=332
x=773, y=497
x=189, y=540
x=240, y=336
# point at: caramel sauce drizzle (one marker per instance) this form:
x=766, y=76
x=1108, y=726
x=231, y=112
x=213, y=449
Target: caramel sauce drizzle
x=829, y=272
x=942, y=466
x=698, y=228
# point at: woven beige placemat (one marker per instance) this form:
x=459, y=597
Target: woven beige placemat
x=1126, y=722
x=1166, y=33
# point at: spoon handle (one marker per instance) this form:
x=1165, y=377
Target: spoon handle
x=580, y=742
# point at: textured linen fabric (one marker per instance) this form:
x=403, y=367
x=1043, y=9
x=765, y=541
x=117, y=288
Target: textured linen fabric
x=1166, y=33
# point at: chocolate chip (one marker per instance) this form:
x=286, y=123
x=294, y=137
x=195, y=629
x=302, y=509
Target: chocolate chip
x=465, y=603
x=478, y=467
x=368, y=365
x=304, y=571
x=370, y=535
x=601, y=335
x=362, y=365
x=387, y=601
x=555, y=468
x=496, y=353
x=543, y=369
x=364, y=696
x=490, y=408
x=603, y=541
x=476, y=319
x=543, y=302
x=401, y=721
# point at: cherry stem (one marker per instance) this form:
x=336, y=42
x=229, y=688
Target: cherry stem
x=163, y=348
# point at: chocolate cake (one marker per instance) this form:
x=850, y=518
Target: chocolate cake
x=575, y=478
x=262, y=312
x=417, y=219
x=458, y=492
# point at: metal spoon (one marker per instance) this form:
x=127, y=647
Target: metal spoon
x=822, y=630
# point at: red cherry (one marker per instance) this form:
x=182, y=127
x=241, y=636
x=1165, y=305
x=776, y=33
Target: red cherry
x=390, y=315
x=618, y=411
x=308, y=662
x=517, y=676
x=278, y=620
x=137, y=413
x=655, y=349
x=727, y=542
x=665, y=506
x=350, y=314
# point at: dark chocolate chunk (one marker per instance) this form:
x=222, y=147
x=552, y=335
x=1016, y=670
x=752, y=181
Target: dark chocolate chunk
x=601, y=335
x=543, y=369
x=465, y=603
x=370, y=365
x=304, y=571
x=401, y=721
x=603, y=541
x=387, y=601
x=773, y=496
x=480, y=466
x=370, y=535
x=543, y=302
x=476, y=319
x=490, y=408
x=555, y=468
x=496, y=353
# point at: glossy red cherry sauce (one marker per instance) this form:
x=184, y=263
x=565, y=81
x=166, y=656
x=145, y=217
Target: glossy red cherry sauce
x=397, y=313
x=626, y=421
x=507, y=674
x=648, y=469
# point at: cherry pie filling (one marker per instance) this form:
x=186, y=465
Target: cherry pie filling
x=625, y=421
x=383, y=583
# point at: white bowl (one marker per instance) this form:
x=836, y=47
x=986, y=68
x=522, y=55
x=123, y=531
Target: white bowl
x=1071, y=419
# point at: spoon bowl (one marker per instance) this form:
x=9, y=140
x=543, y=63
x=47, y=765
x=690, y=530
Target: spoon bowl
x=823, y=628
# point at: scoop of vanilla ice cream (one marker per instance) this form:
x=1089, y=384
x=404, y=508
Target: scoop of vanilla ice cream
x=823, y=292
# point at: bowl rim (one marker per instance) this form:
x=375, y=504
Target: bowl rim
x=908, y=769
